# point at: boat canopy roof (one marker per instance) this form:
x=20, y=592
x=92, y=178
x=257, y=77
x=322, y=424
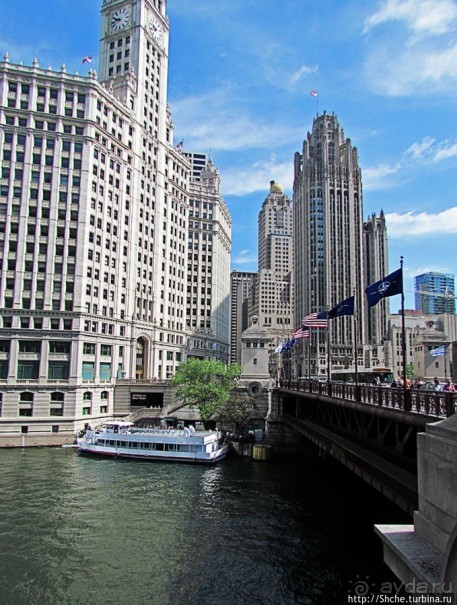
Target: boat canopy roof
x=117, y=423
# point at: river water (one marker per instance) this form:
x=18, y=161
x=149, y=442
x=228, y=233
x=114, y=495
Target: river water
x=291, y=531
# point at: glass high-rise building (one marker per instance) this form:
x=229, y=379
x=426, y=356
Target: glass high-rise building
x=435, y=293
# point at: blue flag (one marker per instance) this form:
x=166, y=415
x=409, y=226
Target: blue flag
x=389, y=286
x=346, y=307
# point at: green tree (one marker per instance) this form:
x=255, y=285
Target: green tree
x=205, y=384
x=236, y=412
x=410, y=371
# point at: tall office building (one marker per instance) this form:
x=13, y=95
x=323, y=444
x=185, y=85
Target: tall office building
x=435, y=293
x=242, y=293
x=274, y=283
x=93, y=224
x=197, y=163
x=376, y=267
x=208, y=264
x=328, y=241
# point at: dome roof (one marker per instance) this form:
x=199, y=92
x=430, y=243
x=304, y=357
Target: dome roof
x=276, y=188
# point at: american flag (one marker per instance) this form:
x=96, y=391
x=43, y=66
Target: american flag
x=313, y=93
x=301, y=333
x=87, y=59
x=316, y=320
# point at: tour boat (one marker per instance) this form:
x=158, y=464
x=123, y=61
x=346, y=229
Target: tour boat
x=124, y=439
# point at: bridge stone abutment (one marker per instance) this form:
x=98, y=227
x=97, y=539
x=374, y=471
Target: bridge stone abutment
x=424, y=555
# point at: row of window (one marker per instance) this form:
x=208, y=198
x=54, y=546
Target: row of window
x=52, y=93
x=23, y=122
x=29, y=369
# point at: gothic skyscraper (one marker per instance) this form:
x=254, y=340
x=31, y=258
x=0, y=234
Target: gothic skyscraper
x=376, y=263
x=328, y=240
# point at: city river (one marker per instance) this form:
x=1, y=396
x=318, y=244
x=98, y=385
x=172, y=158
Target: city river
x=291, y=531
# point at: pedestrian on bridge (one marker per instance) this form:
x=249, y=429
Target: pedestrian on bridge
x=448, y=386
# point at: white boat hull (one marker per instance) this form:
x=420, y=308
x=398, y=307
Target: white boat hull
x=123, y=440
x=197, y=457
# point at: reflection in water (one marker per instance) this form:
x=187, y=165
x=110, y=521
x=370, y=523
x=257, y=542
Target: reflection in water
x=106, y=532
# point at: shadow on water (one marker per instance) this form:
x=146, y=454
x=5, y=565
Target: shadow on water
x=285, y=532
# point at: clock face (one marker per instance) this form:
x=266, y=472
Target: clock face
x=120, y=19
x=155, y=29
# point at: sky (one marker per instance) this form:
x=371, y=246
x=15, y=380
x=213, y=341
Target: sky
x=240, y=76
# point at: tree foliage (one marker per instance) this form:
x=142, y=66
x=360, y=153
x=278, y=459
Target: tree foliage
x=236, y=412
x=410, y=371
x=205, y=384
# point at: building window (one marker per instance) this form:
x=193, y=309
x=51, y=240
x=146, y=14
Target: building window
x=89, y=348
x=88, y=370
x=29, y=346
x=28, y=369
x=58, y=370
x=105, y=371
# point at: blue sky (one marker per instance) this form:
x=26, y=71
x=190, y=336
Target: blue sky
x=239, y=81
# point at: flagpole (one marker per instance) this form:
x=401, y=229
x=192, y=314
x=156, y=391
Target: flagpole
x=403, y=331
x=309, y=355
x=355, y=344
x=329, y=361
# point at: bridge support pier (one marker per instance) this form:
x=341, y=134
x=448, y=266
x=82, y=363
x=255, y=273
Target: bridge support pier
x=424, y=555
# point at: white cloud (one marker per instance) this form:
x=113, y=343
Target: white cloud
x=425, y=63
x=377, y=177
x=224, y=125
x=257, y=177
x=411, y=224
x=303, y=71
x=446, y=151
x=441, y=65
x=420, y=270
x=424, y=70
x=428, y=149
x=421, y=149
x=422, y=17
x=244, y=257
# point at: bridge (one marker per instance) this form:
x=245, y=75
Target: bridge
x=371, y=430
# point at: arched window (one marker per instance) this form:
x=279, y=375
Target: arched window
x=57, y=397
x=87, y=396
x=26, y=397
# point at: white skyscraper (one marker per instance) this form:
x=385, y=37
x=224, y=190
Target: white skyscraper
x=93, y=229
x=208, y=262
x=274, y=285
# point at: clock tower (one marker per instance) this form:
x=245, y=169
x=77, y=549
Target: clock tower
x=134, y=54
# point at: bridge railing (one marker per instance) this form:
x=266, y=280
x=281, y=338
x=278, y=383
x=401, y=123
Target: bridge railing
x=419, y=401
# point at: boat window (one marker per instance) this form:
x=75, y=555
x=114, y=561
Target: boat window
x=183, y=448
x=134, y=444
x=146, y=446
x=159, y=447
x=120, y=443
x=171, y=447
x=196, y=448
